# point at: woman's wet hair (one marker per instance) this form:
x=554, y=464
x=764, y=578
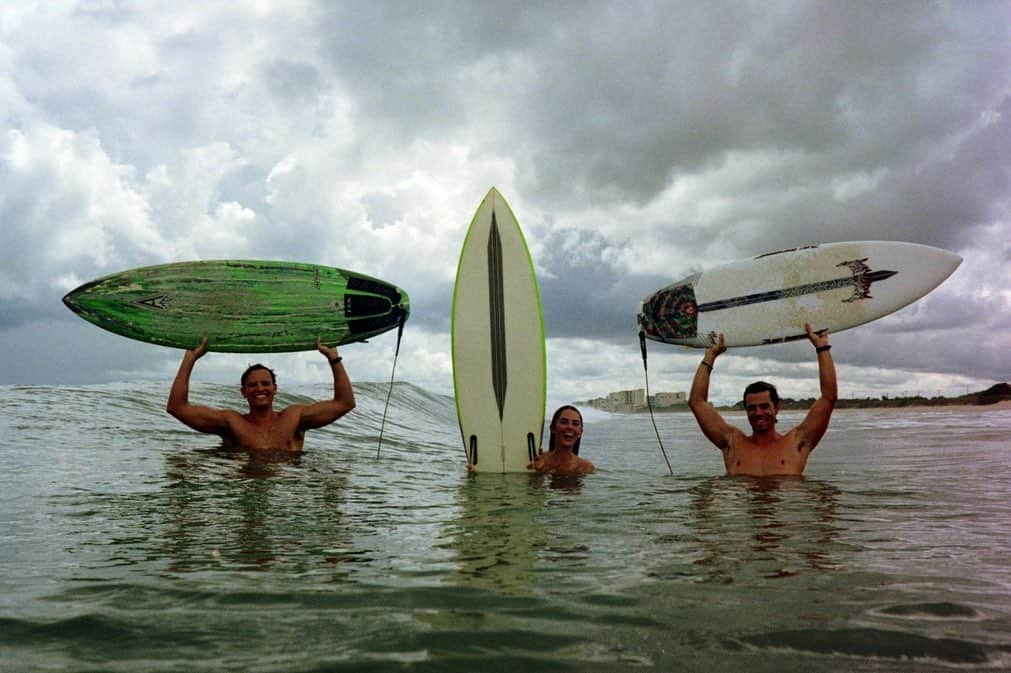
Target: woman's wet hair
x=551, y=438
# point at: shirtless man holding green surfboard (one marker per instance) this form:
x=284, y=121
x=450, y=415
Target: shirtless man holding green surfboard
x=765, y=452
x=262, y=427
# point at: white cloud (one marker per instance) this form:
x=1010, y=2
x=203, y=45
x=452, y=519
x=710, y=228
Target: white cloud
x=67, y=206
x=185, y=197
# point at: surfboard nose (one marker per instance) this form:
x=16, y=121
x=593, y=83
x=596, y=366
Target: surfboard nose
x=73, y=300
x=77, y=299
x=955, y=262
x=69, y=302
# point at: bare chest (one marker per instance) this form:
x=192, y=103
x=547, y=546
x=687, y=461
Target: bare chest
x=784, y=457
x=280, y=431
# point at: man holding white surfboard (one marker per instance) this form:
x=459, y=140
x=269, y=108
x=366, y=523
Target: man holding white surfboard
x=262, y=427
x=765, y=452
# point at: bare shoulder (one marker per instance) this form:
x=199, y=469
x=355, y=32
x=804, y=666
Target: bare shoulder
x=295, y=410
x=810, y=431
x=234, y=418
x=292, y=415
x=797, y=438
x=734, y=437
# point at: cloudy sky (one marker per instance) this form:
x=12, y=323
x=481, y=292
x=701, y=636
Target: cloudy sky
x=636, y=143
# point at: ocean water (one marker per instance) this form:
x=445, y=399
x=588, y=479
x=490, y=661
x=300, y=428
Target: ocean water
x=130, y=543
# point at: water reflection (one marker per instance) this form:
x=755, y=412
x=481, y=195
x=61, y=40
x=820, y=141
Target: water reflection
x=771, y=526
x=569, y=483
x=499, y=534
x=248, y=510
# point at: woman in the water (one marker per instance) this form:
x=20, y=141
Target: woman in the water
x=562, y=456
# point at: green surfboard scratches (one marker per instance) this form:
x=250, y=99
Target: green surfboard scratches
x=242, y=306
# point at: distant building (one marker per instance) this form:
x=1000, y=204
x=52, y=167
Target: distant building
x=631, y=401
x=664, y=400
x=628, y=397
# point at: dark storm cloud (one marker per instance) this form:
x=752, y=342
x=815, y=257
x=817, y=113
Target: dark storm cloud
x=583, y=293
x=617, y=99
x=670, y=91
x=408, y=65
x=605, y=103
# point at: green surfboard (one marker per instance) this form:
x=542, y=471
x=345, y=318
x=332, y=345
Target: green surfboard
x=241, y=306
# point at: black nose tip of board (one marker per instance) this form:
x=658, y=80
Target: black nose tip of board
x=69, y=302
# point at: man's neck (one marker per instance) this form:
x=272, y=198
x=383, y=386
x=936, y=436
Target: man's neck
x=260, y=413
x=766, y=437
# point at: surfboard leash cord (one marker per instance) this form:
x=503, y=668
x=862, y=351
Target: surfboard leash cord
x=649, y=405
x=389, y=391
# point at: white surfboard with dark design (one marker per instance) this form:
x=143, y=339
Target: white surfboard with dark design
x=499, y=372
x=768, y=299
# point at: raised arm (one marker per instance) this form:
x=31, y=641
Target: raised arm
x=717, y=430
x=203, y=419
x=814, y=425
x=322, y=413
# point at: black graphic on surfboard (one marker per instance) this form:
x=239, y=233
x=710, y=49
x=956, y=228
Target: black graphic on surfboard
x=496, y=310
x=161, y=302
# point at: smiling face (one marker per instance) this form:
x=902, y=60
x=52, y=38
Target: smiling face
x=566, y=429
x=761, y=412
x=259, y=389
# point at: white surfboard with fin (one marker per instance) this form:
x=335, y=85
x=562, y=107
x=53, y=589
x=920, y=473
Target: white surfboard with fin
x=768, y=299
x=499, y=367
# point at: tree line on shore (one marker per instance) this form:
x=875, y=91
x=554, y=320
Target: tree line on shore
x=992, y=395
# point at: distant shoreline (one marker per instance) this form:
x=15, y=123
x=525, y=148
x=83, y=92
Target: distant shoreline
x=995, y=406
x=995, y=397
x=683, y=408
